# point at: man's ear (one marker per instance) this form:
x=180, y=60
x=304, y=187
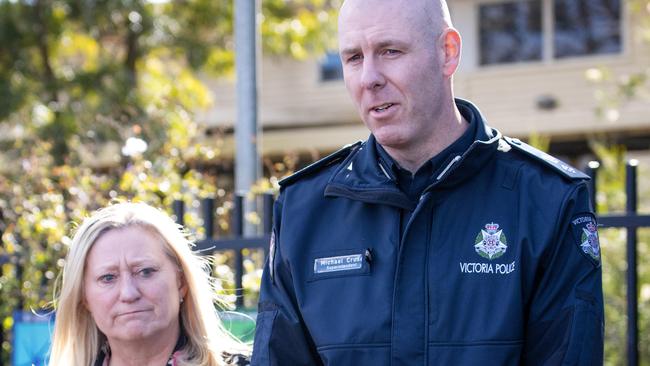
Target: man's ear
x=450, y=42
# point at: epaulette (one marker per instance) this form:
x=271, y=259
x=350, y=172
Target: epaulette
x=548, y=160
x=320, y=164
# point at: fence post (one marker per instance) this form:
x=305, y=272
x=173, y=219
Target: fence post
x=179, y=211
x=238, y=231
x=632, y=291
x=268, y=218
x=2, y=340
x=592, y=171
x=207, y=207
x=2, y=333
x=20, y=277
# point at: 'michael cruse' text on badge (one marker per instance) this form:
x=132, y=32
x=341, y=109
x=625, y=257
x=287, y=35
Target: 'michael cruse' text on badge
x=341, y=263
x=337, y=264
x=585, y=233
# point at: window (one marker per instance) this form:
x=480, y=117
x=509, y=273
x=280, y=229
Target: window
x=584, y=27
x=511, y=32
x=330, y=67
x=516, y=31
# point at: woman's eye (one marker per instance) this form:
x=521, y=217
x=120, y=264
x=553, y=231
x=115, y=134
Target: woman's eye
x=107, y=278
x=146, y=272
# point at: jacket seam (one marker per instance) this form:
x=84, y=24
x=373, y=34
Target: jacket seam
x=367, y=195
x=450, y=344
x=478, y=343
x=354, y=345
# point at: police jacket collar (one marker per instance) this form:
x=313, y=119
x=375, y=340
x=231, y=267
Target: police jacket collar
x=363, y=176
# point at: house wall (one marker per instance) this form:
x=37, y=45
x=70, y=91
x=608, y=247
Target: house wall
x=508, y=93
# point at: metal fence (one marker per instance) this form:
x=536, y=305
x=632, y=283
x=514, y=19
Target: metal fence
x=236, y=241
x=631, y=220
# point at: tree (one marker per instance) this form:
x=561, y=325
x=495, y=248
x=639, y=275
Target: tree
x=98, y=102
x=614, y=90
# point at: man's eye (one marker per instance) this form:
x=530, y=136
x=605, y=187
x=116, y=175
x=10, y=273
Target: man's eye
x=354, y=58
x=107, y=278
x=392, y=52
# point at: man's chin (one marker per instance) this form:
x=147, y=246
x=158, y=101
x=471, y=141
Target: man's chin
x=390, y=139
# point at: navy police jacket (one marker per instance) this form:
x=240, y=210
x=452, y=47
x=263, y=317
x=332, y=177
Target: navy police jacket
x=499, y=264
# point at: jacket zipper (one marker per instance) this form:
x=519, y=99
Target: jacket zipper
x=452, y=162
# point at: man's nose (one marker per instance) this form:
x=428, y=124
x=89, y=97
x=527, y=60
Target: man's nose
x=371, y=75
x=129, y=291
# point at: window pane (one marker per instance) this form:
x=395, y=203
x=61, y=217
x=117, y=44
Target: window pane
x=330, y=67
x=587, y=27
x=510, y=32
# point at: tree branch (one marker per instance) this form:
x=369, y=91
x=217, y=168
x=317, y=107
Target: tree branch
x=132, y=53
x=44, y=51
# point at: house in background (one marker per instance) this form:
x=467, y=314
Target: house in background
x=525, y=64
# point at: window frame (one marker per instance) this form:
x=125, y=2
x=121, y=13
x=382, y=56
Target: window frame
x=322, y=63
x=548, y=39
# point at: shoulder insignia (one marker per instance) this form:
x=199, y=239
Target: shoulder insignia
x=560, y=166
x=585, y=233
x=320, y=164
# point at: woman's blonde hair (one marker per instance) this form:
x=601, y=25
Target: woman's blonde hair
x=77, y=340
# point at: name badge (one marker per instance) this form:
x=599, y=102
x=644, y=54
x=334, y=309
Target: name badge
x=338, y=264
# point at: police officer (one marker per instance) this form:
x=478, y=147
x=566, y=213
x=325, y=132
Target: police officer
x=438, y=241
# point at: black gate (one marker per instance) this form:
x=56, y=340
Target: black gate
x=631, y=221
x=236, y=241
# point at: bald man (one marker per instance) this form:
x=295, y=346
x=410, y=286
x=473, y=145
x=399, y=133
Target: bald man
x=438, y=241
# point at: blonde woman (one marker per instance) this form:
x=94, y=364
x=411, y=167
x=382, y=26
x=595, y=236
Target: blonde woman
x=134, y=293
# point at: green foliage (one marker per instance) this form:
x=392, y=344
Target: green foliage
x=299, y=27
x=539, y=141
x=83, y=81
x=613, y=91
x=611, y=176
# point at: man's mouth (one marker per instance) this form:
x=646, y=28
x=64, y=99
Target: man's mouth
x=382, y=107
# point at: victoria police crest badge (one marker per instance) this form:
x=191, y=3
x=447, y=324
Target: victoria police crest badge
x=585, y=233
x=491, y=243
